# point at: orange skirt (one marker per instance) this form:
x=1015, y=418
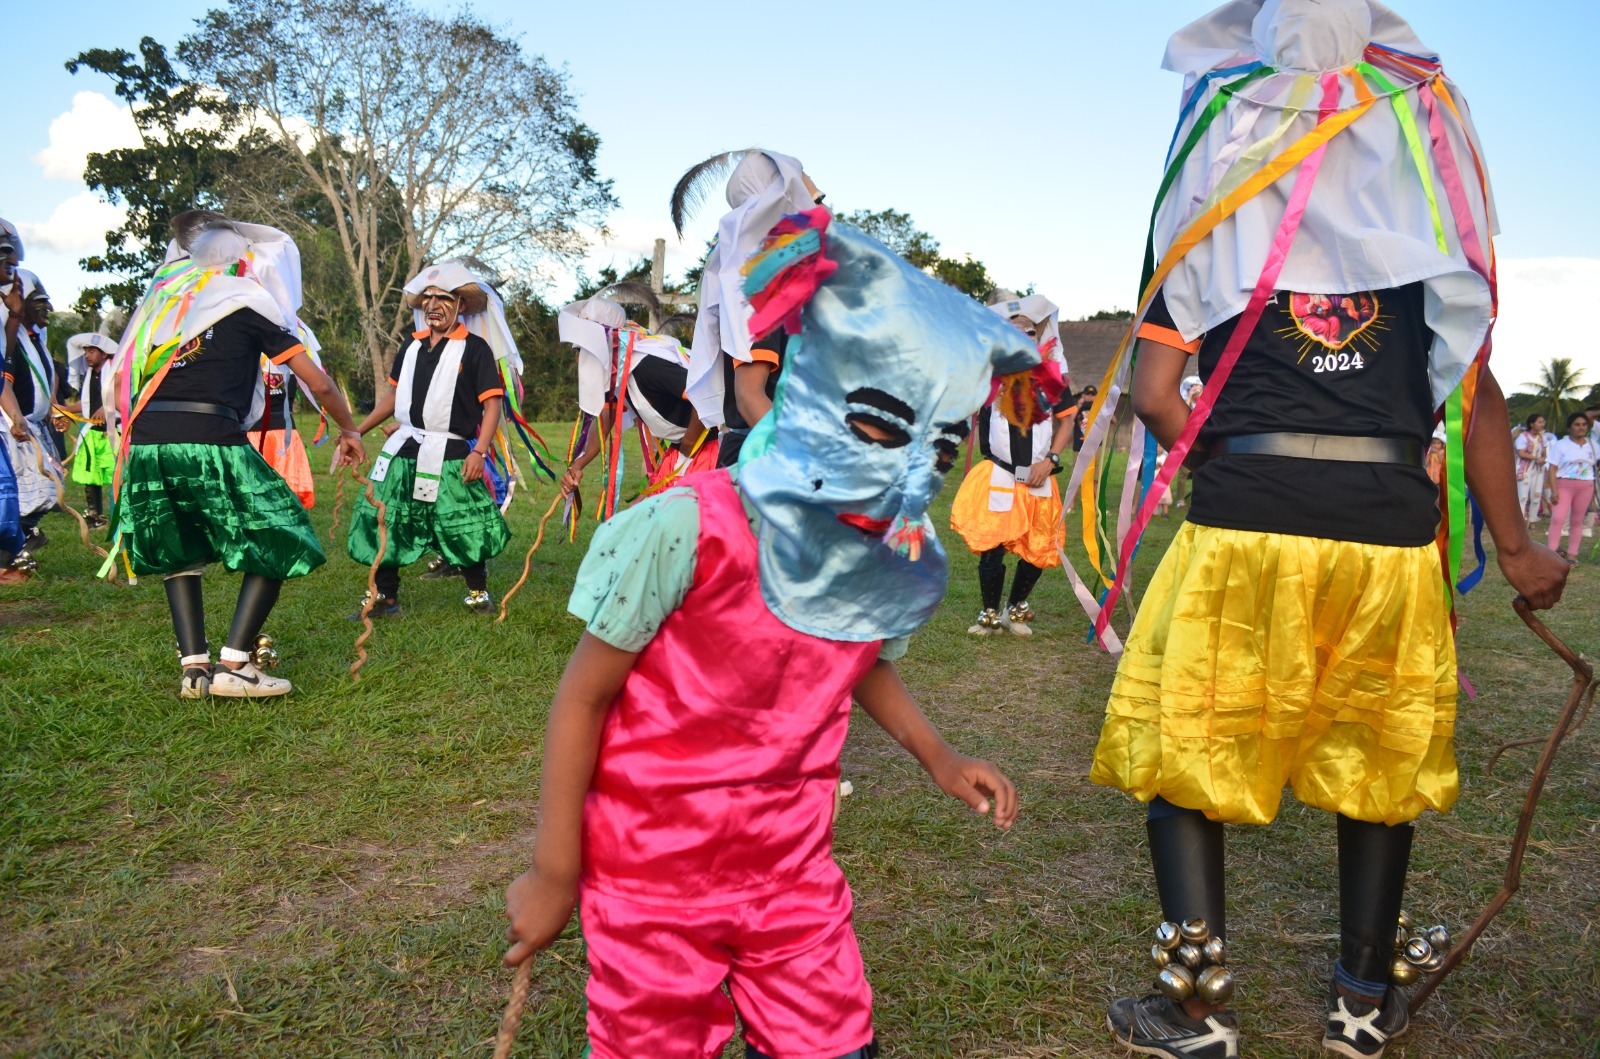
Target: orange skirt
x=993, y=509
x=289, y=460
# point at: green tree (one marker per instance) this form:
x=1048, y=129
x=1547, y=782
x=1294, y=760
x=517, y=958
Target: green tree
x=437, y=127
x=968, y=276
x=895, y=230
x=1558, y=383
x=187, y=135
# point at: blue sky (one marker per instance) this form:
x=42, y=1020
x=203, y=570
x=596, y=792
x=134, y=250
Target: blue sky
x=1031, y=139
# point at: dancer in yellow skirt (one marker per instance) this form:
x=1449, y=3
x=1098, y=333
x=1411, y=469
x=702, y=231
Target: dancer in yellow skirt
x=1297, y=630
x=1009, y=501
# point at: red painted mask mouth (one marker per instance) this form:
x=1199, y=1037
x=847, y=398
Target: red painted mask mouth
x=872, y=527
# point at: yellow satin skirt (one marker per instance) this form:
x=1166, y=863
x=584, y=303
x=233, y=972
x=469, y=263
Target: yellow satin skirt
x=992, y=509
x=1263, y=659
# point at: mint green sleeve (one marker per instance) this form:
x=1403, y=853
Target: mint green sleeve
x=894, y=650
x=639, y=567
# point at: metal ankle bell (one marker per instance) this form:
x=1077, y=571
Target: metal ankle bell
x=1417, y=951
x=265, y=653
x=1190, y=961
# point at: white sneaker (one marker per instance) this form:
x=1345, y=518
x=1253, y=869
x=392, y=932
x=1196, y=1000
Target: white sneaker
x=246, y=682
x=196, y=683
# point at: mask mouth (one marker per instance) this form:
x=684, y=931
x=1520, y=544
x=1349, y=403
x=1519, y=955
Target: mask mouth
x=869, y=526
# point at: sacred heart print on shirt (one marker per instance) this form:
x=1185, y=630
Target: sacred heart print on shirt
x=1334, y=320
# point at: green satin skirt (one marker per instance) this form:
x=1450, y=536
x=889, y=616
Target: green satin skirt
x=464, y=525
x=183, y=504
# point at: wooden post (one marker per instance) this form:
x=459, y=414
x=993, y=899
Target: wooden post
x=658, y=278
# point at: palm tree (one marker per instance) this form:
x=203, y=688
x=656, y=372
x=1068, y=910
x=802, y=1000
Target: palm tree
x=1557, y=384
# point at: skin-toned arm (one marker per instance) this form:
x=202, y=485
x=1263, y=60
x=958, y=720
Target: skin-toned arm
x=382, y=410
x=327, y=395
x=1156, y=400
x=472, y=468
x=1535, y=571
x=750, y=390
x=978, y=783
x=13, y=411
x=574, y=474
x=540, y=902
x=1060, y=435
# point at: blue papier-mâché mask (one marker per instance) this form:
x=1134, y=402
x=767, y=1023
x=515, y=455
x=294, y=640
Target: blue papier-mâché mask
x=875, y=398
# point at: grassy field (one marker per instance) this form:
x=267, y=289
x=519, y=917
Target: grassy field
x=323, y=875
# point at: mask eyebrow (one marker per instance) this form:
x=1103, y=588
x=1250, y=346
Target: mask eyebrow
x=959, y=429
x=883, y=402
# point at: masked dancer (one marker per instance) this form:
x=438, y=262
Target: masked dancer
x=733, y=375
x=190, y=489
x=687, y=804
x=1298, y=634
x=93, y=462
x=1009, y=501
x=446, y=391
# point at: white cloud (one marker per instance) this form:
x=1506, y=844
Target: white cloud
x=77, y=227
x=1539, y=300
x=95, y=123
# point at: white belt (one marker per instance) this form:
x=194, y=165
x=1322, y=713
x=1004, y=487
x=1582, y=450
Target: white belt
x=430, y=458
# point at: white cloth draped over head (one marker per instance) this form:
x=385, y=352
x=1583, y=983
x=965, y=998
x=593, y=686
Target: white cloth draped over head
x=764, y=187
x=599, y=328
x=1045, y=315
x=1369, y=224
x=489, y=325
x=590, y=325
x=269, y=256
x=76, y=347
x=13, y=237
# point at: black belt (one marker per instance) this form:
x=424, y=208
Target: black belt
x=1322, y=447
x=202, y=408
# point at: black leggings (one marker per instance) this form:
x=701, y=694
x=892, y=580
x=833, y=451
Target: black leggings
x=1186, y=850
x=476, y=575
x=992, y=578
x=257, y=596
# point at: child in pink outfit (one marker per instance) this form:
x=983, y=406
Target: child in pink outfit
x=692, y=752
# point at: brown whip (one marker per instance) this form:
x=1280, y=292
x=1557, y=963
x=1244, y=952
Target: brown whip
x=1583, y=688
x=372, y=575
x=338, y=501
x=527, y=562
x=513, y=1014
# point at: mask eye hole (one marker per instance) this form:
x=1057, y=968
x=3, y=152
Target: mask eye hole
x=876, y=430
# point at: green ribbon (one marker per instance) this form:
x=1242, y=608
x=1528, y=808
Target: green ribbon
x=1456, y=481
x=1419, y=156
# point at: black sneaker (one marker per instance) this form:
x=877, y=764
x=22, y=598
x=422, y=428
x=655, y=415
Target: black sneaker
x=1154, y=1025
x=384, y=608
x=34, y=540
x=438, y=570
x=1361, y=1030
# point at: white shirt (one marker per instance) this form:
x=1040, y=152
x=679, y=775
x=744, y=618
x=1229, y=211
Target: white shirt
x=1574, y=459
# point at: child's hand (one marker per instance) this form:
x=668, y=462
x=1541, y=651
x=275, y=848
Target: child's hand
x=539, y=909
x=978, y=783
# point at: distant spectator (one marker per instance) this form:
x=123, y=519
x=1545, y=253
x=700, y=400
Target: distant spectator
x=1533, y=449
x=1571, y=470
x=1080, y=423
x=1436, y=459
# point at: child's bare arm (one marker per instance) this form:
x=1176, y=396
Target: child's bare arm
x=885, y=698
x=540, y=901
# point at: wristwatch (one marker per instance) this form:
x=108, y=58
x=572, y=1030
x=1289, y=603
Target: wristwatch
x=1054, y=457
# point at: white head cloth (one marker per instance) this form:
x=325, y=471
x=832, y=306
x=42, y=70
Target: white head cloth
x=268, y=254
x=13, y=236
x=76, y=347
x=1368, y=225
x=765, y=186
x=489, y=325
x=589, y=325
x=1045, y=315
